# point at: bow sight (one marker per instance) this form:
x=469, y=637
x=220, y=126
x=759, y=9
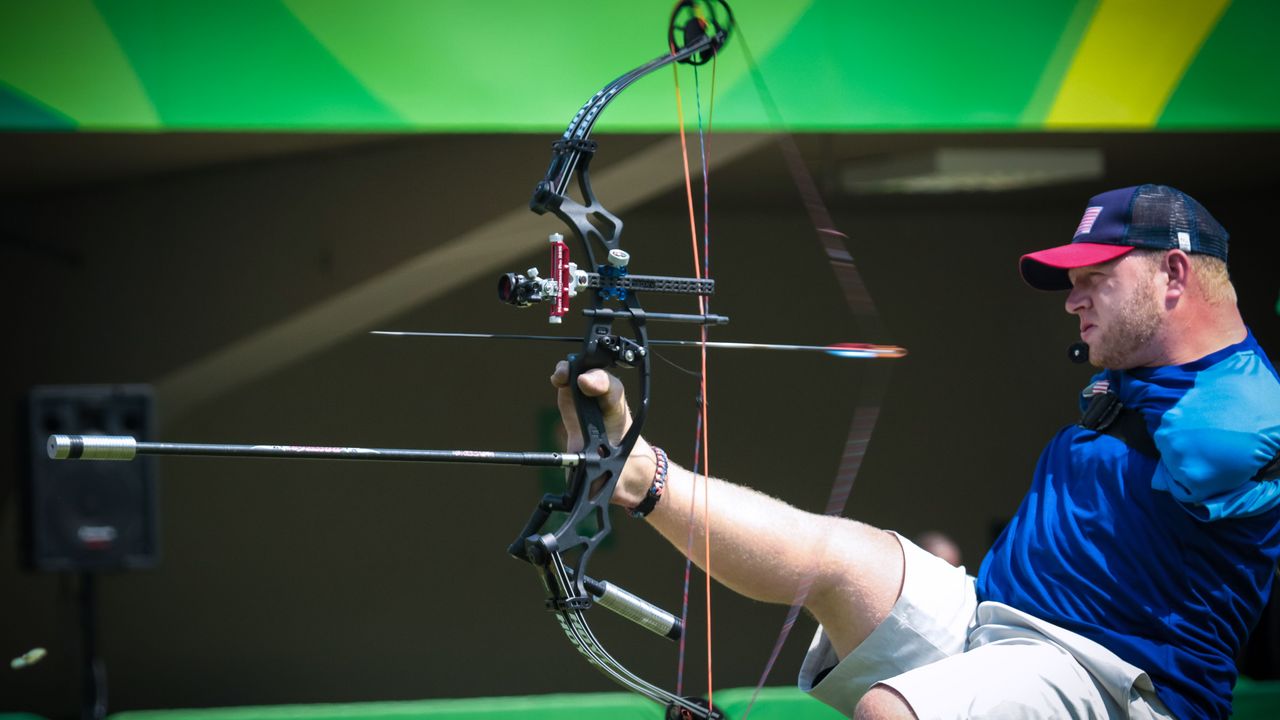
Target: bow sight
x=565, y=280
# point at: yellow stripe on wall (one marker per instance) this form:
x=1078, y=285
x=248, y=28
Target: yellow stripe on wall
x=1131, y=59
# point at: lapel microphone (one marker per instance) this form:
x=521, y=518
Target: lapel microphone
x=1078, y=352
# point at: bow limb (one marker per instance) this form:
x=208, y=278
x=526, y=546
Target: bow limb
x=693, y=37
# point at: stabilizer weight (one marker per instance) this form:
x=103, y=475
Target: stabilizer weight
x=92, y=447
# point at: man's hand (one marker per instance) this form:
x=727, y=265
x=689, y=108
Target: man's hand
x=638, y=473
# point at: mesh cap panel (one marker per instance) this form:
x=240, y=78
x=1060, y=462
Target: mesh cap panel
x=1161, y=215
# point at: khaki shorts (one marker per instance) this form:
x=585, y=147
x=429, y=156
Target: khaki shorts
x=953, y=657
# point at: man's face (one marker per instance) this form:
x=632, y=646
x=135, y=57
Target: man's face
x=1120, y=311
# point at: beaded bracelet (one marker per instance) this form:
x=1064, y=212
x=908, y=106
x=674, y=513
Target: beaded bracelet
x=655, y=490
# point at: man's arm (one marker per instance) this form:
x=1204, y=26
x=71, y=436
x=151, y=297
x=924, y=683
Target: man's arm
x=761, y=547
x=1218, y=441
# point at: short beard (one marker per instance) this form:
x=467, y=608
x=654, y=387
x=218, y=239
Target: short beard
x=1135, y=326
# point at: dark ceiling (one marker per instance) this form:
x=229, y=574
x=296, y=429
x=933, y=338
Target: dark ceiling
x=37, y=162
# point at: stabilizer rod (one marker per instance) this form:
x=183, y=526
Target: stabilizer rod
x=124, y=447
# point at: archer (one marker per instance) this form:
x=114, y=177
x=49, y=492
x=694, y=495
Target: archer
x=1134, y=568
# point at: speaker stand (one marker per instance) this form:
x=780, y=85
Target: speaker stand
x=93, y=672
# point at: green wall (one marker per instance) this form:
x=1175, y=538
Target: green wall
x=516, y=66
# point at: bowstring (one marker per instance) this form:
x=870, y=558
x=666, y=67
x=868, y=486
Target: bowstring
x=701, y=453
x=697, y=444
x=705, y=304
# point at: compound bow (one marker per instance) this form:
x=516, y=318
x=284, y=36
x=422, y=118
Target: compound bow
x=695, y=33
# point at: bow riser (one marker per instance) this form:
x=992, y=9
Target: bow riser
x=562, y=554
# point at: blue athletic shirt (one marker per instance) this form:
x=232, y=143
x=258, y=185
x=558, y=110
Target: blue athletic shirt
x=1166, y=562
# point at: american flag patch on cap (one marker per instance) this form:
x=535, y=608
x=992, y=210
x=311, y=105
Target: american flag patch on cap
x=1086, y=222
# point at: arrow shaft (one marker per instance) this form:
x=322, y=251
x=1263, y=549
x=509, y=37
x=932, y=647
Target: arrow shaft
x=849, y=350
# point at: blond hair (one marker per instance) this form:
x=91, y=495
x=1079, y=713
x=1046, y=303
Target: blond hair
x=1213, y=281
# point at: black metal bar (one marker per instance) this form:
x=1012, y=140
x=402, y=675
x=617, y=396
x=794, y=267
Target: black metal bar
x=609, y=314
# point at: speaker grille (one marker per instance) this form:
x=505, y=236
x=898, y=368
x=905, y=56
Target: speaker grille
x=85, y=515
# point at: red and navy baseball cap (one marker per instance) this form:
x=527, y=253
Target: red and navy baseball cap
x=1115, y=222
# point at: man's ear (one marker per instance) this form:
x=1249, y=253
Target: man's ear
x=1177, y=265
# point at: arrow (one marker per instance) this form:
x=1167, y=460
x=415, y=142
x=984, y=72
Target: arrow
x=841, y=350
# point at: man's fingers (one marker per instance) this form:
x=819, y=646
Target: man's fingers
x=598, y=383
x=560, y=377
x=612, y=398
x=595, y=383
x=568, y=413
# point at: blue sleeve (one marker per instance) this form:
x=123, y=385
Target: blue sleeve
x=1217, y=438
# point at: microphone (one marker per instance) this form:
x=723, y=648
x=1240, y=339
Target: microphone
x=1078, y=352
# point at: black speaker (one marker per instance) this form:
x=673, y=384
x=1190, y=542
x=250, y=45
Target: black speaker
x=83, y=515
